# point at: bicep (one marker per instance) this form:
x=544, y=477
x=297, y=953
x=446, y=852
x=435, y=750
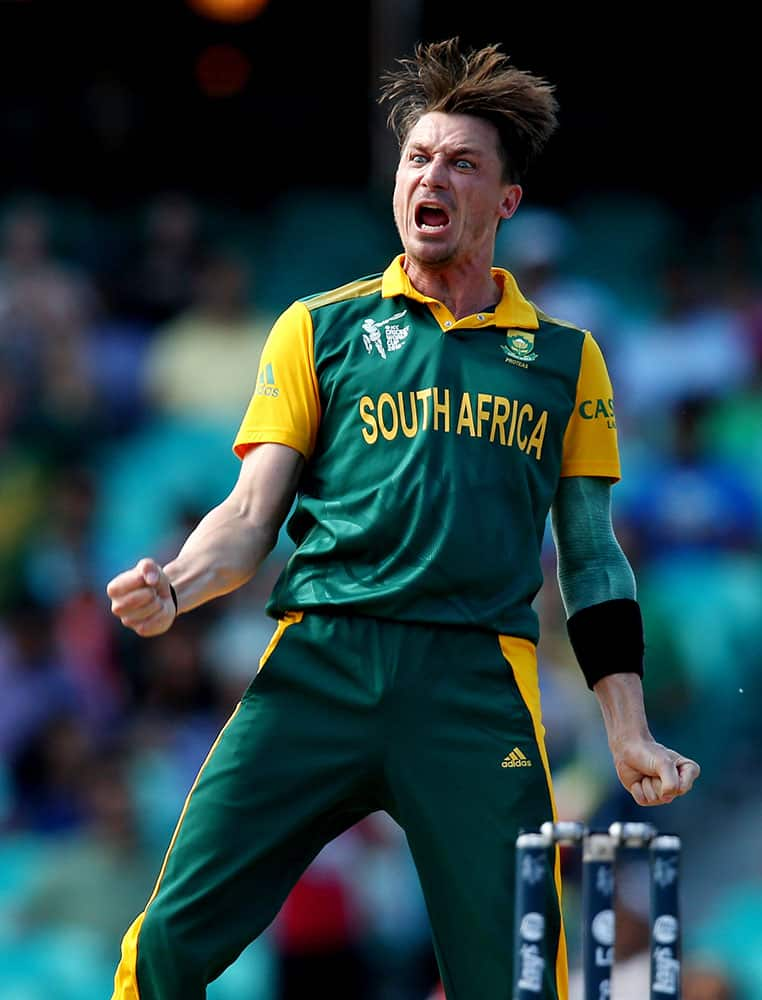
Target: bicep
x=267, y=484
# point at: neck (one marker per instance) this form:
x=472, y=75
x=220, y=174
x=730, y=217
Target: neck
x=463, y=290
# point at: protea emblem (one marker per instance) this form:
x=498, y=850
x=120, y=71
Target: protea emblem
x=519, y=346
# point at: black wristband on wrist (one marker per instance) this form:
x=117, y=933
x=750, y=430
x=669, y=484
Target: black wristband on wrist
x=607, y=638
x=173, y=595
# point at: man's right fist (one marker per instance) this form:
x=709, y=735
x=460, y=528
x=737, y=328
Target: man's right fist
x=141, y=599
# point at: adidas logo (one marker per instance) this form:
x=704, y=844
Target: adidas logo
x=516, y=759
x=266, y=383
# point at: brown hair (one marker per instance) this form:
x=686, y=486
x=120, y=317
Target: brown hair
x=442, y=76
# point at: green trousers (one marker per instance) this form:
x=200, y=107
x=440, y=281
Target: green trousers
x=439, y=726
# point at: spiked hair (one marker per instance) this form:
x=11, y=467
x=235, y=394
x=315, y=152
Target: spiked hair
x=442, y=76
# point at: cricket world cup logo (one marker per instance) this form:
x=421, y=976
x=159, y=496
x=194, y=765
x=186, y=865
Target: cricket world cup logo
x=385, y=335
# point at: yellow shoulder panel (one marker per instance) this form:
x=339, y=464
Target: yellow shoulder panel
x=543, y=317
x=354, y=290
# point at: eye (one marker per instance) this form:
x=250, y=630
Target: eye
x=465, y=164
x=417, y=158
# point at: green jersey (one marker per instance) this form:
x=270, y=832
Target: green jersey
x=433, y=449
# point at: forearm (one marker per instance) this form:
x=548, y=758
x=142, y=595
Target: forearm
x=222, y=553
x=620, y=697
x=230, y=543
x=592, y=568
x=596, y=581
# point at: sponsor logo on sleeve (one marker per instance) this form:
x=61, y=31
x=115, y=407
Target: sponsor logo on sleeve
x=598, y=409
x=266, y=383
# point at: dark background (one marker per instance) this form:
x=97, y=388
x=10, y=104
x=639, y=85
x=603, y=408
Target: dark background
x=103, y=101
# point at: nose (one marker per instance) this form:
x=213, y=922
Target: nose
x=435, y=174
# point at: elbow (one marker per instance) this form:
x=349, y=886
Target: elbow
x=261, y=532
x=269, y=537
x=264, y=535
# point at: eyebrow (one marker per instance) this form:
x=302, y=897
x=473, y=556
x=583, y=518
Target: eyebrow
x=456, y=151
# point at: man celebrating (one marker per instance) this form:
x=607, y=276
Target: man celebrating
x=426, y=420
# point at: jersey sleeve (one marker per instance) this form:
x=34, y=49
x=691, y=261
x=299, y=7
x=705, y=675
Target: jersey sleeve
x=285, y=406
x=590, y=443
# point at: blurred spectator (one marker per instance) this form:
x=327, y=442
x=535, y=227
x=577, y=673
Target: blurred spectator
x=153, y=281
x=730, y=429
x=38, y=291
x=708, y=982
x=631, y=972
x=45, y=311
x=397, y=936
x=58, y=560
x=203, y=363
x=36, y=687
x=357, y=920
x=101, y=878
x=175, y=686
x=694, y=347
x=234, y=642
x=175, y=718
x=632, y=966
x=67, y=416
x=58, y=569
x=320, y=928
x=47, y=777
x=85, y=636
x=538, y=247
x=116, y=357
x=730, y=938
x=23, y=481
x=47, y=403
x=681, y=500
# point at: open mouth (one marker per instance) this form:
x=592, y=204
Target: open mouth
x=431, y=218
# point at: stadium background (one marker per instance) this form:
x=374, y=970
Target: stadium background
x=168, y=182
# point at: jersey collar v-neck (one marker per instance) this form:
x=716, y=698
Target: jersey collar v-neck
x=513, y=310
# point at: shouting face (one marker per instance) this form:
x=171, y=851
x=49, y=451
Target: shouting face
x=450, y=191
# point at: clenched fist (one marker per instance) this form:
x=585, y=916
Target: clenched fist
x=653, y=774
x=141, y=599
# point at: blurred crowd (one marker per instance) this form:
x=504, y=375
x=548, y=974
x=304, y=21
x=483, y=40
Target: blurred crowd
x=128, y=352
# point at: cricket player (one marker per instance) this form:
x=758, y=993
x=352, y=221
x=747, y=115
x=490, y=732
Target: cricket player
x=426, y=420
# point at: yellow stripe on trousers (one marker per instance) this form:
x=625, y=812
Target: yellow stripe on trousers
x=521, y=654
x=290, y=618
x=125, y=979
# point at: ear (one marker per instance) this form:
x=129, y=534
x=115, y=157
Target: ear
x=510, y=202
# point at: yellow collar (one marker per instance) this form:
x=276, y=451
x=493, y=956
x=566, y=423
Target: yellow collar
x=513, y=310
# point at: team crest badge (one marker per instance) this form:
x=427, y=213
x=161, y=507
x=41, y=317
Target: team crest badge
x=519, y=346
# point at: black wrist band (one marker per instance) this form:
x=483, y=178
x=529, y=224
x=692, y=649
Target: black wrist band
x=607, y=638
x=173, y=595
